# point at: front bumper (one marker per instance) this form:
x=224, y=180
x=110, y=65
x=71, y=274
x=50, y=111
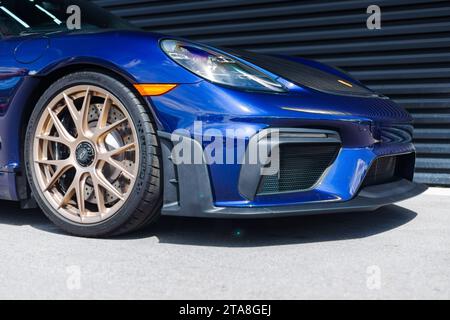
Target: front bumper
x=360, y=123
x=188, y=192
x=368, y=128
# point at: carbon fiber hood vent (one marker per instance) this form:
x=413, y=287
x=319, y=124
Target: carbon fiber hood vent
x=304, y=75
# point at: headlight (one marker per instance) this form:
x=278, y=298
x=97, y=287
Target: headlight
x=218, y=67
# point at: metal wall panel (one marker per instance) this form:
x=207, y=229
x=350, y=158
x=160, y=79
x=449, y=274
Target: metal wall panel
x=408, y=59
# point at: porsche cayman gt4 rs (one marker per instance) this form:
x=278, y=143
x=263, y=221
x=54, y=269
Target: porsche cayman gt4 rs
x=89, y=107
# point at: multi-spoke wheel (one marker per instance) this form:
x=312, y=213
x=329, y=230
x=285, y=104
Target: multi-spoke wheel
x=92, y=156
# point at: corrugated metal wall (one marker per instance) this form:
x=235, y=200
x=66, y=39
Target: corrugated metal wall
x=408, y=59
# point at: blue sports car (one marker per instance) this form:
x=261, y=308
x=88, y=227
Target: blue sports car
x=106, y=127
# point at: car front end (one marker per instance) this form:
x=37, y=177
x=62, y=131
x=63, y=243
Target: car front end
x=106, y=127
x=341, y=146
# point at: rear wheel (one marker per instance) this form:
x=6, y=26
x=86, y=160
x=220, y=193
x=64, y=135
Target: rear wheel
x=92, y=156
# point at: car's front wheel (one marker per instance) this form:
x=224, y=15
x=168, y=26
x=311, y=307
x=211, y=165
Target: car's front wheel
x=92, y=156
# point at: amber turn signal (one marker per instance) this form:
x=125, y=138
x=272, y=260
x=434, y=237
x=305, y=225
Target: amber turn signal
x=154, y=89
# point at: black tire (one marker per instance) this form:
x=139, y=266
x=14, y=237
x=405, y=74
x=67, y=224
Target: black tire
x=144, y=203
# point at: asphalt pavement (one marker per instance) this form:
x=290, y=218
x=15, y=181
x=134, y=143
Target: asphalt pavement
x=400, y=251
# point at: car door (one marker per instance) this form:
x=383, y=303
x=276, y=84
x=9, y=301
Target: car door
x=11, y=76
x=10, y=72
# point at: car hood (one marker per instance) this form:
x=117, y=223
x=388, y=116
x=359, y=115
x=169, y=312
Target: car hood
x=306, y=73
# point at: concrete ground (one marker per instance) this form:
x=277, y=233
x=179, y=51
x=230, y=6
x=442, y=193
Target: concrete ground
x=401, y=251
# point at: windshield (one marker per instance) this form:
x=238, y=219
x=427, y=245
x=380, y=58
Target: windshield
x=42, y=16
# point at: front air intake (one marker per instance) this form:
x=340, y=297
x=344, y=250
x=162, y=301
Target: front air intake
x=382, y=170
x=390, y=168
x=301, y=167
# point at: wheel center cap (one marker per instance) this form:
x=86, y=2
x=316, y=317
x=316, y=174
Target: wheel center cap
x=85, y=154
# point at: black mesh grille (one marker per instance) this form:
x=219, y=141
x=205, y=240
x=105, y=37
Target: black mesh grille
x=301, y=166
x=383, y=170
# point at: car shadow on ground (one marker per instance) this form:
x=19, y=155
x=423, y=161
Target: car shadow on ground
x=243, y=233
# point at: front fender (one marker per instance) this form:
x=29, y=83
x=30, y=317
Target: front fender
x=135, y=54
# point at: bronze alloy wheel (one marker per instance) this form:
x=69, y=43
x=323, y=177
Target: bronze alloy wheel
x=92, y=156
x=86, y=154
